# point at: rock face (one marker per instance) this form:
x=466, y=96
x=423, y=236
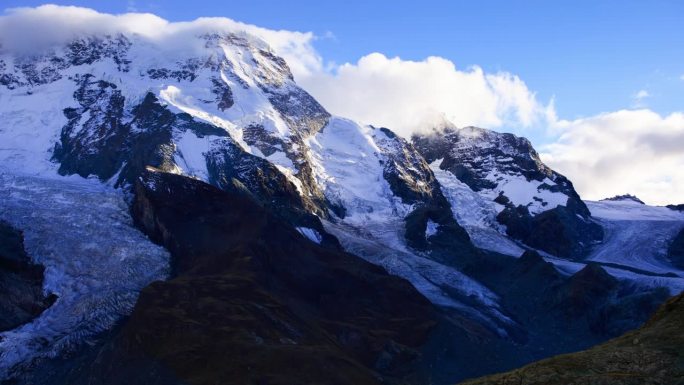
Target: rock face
x=652, y=354
x=625, y=197
x=241, y=310
x=127, y=102
x=536, y=204
x=119, y=144
x=411, y=179
x=679, y=207
x=21, y=282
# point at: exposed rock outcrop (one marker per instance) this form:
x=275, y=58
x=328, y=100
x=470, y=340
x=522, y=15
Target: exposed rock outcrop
x=411, y=180
x=21, y=282
x=624, y=198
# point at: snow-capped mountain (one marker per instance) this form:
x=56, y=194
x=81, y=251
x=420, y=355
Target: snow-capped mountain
x=98, y=124
x=536, y=205
x=226, y=112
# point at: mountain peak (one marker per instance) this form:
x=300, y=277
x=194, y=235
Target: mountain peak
x=624, y=198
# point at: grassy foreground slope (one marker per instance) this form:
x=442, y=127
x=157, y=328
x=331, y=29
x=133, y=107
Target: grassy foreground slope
x=652, y=354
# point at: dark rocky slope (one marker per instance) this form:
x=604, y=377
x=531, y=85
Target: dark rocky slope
x=553, y=314
x=254, y=302
x=652, y=354
x=679, y=207
x=21, y=282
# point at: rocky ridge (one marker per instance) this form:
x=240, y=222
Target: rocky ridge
x=537, y=205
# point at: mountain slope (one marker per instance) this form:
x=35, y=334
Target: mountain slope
x=651, y=354
x=222, y=108
x=241, y=310
x=535, y=204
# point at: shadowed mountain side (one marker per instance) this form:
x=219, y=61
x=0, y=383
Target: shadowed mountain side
x=553, y=314
x=652, y=354
x=21, y=281
x=255, y=302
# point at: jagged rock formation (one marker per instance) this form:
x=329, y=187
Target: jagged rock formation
x=679, y=207
x=536, y=204
x=411, y=180
x=625, y=197
x=21, y=282
x=652, y=354
x=103, y=139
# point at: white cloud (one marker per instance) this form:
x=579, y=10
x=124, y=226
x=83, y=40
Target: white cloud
x=639, y=98
x=392, y=92
x=405, y=95
x=642, y=94
x=629, y=151
x=635, y=151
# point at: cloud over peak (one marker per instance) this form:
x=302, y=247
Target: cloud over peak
x=403, y=94
x=31, y=29
x=392, y=92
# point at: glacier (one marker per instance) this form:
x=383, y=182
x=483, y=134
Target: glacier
x=95, y=261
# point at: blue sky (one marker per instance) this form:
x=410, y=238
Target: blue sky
x=593, y=56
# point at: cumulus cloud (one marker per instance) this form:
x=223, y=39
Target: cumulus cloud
x=399, y=94
x=407, y=95
x=629, y=151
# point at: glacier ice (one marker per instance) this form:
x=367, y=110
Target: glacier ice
x=95, y=260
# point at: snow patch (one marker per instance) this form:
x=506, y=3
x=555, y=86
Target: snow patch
x=190, y=154
x=431, y=228
x=312, y=234
x=476, y=214
x=520, y=191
